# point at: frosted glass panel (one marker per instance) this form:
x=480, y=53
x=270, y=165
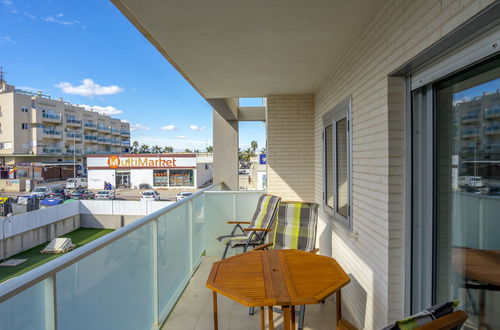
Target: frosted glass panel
x=173, y=254
x=111, y=288
x=245, y=205
x=198, y=226
x=25, y=311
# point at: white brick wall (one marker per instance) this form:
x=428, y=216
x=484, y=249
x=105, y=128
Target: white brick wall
x=375, y=261
x=290, y=125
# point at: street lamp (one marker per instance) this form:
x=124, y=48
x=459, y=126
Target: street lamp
x=3, y=235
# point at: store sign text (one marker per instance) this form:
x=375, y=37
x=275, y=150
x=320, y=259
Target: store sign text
x=116, y=161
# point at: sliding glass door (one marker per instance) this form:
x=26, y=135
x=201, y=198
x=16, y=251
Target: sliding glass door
x=457, y=222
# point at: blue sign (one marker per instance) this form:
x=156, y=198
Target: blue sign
x=262, y=159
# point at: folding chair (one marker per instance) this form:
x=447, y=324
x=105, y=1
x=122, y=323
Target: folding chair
x=255, y=233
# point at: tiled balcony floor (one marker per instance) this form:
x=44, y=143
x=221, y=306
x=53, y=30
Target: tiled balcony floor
x=194, y=309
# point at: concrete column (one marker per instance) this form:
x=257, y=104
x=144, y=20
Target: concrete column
x=225, y=133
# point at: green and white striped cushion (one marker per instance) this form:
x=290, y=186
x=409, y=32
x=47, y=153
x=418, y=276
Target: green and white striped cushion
x=296, y=226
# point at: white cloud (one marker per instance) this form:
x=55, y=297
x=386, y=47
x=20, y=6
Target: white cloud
x=169, y=128
x=138, y=127
x=197, y=128
x=88, y=88
x=181, y=136
x=58, y=19
x=109, y=110
x=5, y=40
x=29, y=15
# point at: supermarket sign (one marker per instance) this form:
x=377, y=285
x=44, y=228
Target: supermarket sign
x=133, y=161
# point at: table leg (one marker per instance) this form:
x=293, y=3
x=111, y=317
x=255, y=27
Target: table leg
x=271, y=318
x=292, y=311
x=216, y=321
x=286, y=317
x=338, y=302
x=262, y=318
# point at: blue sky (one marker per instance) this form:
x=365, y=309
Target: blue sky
x=88, y=53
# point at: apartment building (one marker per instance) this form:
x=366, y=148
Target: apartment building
x=38, y=129
x=367, y=114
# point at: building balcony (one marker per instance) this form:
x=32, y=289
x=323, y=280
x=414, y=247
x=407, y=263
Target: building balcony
x=125, y=143
x=133, y=277
x=51, y=134
x=103, y=140
x=103, y=128
x=492, y=112
x=74, y=151
x=125, y=133
x=51, y=117
x=90, y=126
x=72, y=135
x=51, y=150
x=492, y=129
x=470, y=132
x=470, y=117
x=73, y=122
x=90, y=138
x=115, y=131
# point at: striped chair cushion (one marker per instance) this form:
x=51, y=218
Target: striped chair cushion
x=264, y=214
x=296, y=226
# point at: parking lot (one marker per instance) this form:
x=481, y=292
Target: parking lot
x=121, y=194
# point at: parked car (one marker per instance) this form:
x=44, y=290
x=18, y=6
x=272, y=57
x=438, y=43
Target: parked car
x=105, y=194
x=150, y=195
x=56, y=193
x=48, y=202
x=81, y=194
x=76, y=183
x=183, y=194
x=40, y=192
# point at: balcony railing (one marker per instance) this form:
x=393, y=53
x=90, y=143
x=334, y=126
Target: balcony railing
x=104, y=128
x=115, y=130
x=493, y=112
x=90, y=138
x=51, y=116
x=471, y=116
x=52, y=133
x=70, y=151
x=52, y=150
x=493, y=129
x=126, y=133
x=470, y=132
x=73, y=121
x=126, y=143
x=130, y=278
x=90, y=125
x=72, y=135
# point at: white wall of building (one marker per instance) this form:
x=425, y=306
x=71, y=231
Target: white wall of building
x=138, y=176
x=96, y=178
x=204, y=173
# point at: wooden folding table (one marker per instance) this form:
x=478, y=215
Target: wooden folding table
x=285, y=278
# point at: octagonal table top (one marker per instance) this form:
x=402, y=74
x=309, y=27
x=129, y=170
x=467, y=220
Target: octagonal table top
x=277, y=278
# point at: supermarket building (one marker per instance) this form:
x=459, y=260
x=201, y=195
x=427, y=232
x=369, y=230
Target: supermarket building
x=183, y=170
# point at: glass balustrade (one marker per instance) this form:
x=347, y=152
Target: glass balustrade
x=131, y=278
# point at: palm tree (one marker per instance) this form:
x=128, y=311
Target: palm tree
x=210, y=149
x=168, y=149
x=135, y=147
x=263, y=150
x=253, y=146
x=156, y=149
x=197, y=151
x=144, y=149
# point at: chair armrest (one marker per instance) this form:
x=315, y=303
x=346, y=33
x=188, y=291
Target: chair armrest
x=257, y=229
x=238, y=222
x=263, y=246
x=315, y=251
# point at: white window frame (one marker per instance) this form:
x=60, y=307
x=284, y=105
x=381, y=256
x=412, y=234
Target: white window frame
x=342, y=110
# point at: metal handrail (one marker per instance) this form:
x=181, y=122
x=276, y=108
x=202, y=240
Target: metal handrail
x=24, y=281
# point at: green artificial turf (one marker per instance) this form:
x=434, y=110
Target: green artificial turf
x=79, y=237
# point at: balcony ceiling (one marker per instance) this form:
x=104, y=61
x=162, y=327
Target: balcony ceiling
x=242, y=48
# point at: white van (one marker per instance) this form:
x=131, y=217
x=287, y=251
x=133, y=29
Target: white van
x=76, y=183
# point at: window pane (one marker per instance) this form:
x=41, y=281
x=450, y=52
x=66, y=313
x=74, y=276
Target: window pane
x=329, y=166
x=181, y=178
x=468, y=194
x=342, y=188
